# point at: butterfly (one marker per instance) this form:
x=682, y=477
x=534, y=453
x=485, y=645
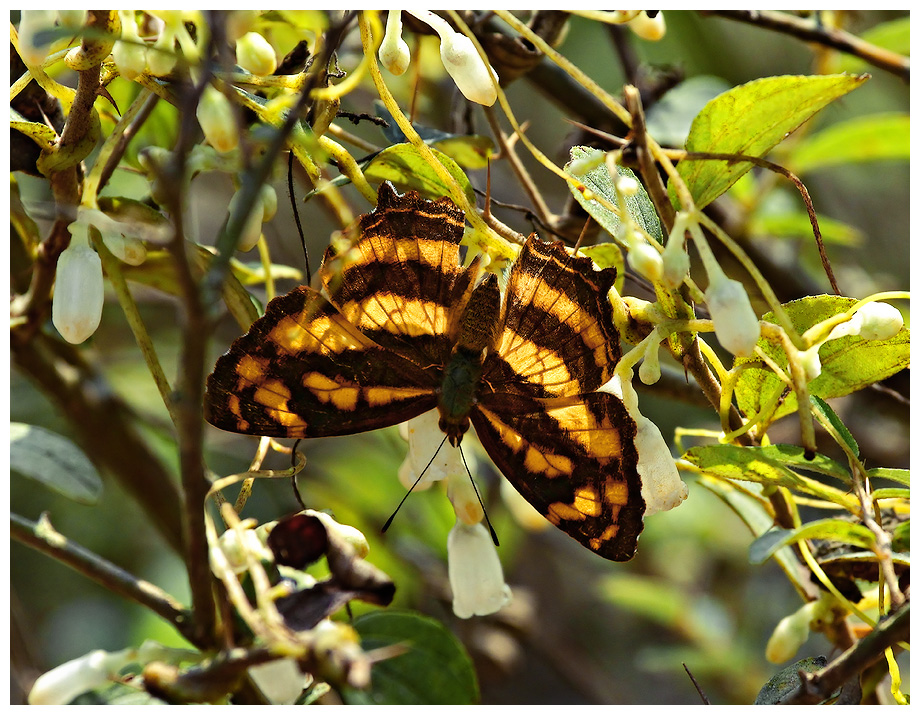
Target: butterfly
x=401, y=327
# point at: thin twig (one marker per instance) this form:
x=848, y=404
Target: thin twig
x=832, y=37
x=41, y=536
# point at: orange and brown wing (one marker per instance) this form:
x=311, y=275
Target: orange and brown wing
x=303, y=370
x=401, y=282
x=558, y=337
x=574, y=459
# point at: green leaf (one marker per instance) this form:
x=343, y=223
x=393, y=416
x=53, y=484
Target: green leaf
x=794, y=456
x=41, y=134
x=848, y=364
x=836, y=423
x=607, y=255
x=751, y=119
x=845, y=532
x=55, y=461
x=752, y=464
x=434, y=670
x=893, y=35
x=900, y=538
x=598, y=180
x=876, y=137
x=405, y=167
x=796, y=224
x=901, y=476
x=787, y=680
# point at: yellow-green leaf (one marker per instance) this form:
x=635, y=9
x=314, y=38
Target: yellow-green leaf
x=751, y=119
x=876, y=137
x=404, y=166
x=848, y=364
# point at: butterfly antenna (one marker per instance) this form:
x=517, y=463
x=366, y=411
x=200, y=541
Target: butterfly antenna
x=389, y=521
x=294, y=476
x=475, y=489
x=303, y=240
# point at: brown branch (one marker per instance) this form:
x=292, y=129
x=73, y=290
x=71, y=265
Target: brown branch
x=817, y=687
x=832, y=37
x=42, y=537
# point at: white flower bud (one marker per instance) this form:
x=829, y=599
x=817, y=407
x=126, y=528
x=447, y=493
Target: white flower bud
x=162, y=57
x=254, y=54
x=215, y=115
x=239, y=547
x=252, y=227
x=879, y=321
x=32, y=22
x=88, y=672
x=662, y=488
x=674, y=259
x=627, y=185
x=790, y=633
x=394, y=52
x=472, y=76
x=811, y=362
x=646, y=261
x=130, y=55
x=580, y=167
x=76, y=307
x=475, y=572
x=269, y=199
x=737, y=327
x=72, y=19
x=648, y=28
x=650, y=369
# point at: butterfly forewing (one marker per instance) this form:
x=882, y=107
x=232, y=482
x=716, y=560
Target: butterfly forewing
x=558, y=336
x=303, y=370
x=574, y=459
x=401, y=283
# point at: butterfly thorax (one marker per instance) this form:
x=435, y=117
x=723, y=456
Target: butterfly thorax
x=478, y=324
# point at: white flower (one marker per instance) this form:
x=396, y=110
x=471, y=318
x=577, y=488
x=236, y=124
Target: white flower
x=239, y=547
x=873, y=321
x=162, y=58
x=645, y=260
x=252, y=227
x=662, y=488
x=791, y=632
x=737, y=328
x=130, y=54
x=215, y=115
x=811, y=362
x=475, y=571
x=461, y=60
x=93, y=670
x=675, y=260
x=424, y=437
x=394, y=52
x=31, y=22
x=76, y=307
x=648, y=28
x=254, y=54
x=72, y=19
x=281, y=681
x=650, y=369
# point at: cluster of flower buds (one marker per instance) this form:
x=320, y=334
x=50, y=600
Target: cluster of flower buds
x=473, y=566
x=475, y=78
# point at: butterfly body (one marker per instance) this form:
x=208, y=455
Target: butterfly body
x=403, y=328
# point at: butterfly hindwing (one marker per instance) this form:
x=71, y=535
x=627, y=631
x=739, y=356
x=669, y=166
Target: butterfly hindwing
x=558, y=337
x=401, y=282
x=574, y=459
x=303, y=370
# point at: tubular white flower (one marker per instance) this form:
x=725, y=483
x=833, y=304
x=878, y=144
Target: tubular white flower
x=645, y=260
x=648, y=28
x=252, y=228
x=811, y=362
x=93, y=670
x=462, y=495
x=255, y=54
x=130, y=54
x=31, y=22
x=76, y=307
x=475, y=572
x=662, y=488
x=394, y=52
x=424, y=437
x=473, y=77
x=675, y=262
x=215, y=115
x=238, y=547
x=737, y=327
x=650, y=369
x=873, y=321
x=790, y=633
